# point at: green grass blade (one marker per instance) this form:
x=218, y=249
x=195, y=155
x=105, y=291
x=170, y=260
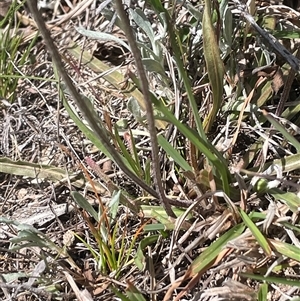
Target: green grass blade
x=176, y=47
x=210, y=254
x=288, y=198
x=84, y=204
x=214, y=64
x=134, y=165
x=47, y=172
x=147, y=172
x=173, y=153
x=271, y=279
x=286, y=249
x=135, y=154
x=214, y=157
x=119, y=294
x=263, y=292
x=256, y=233
x=133, y=293
x=288, y=163
x=283, y=131
x=140, y=259
x=89, y=133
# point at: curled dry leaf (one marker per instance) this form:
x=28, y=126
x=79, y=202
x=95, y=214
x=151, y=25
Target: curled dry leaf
x=277, y=81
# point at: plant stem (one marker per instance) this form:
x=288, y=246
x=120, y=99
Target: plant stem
x=150, y=115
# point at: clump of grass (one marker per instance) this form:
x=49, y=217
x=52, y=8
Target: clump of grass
x=13, y=57
x=242, y=203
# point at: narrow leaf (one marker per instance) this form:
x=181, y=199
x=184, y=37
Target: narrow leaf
x=139, y=259
x=256, y=233
x=101, y=36
x=84, y=204
x=214, y=64
x=46, y=172
x=207, y=256
x=282, y=130
x=263, y=292
x=279, y=280
x=286, y=249
x=288, y=198
x=173, y=153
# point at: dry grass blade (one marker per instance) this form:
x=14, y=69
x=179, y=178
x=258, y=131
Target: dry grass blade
x=81, y=295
